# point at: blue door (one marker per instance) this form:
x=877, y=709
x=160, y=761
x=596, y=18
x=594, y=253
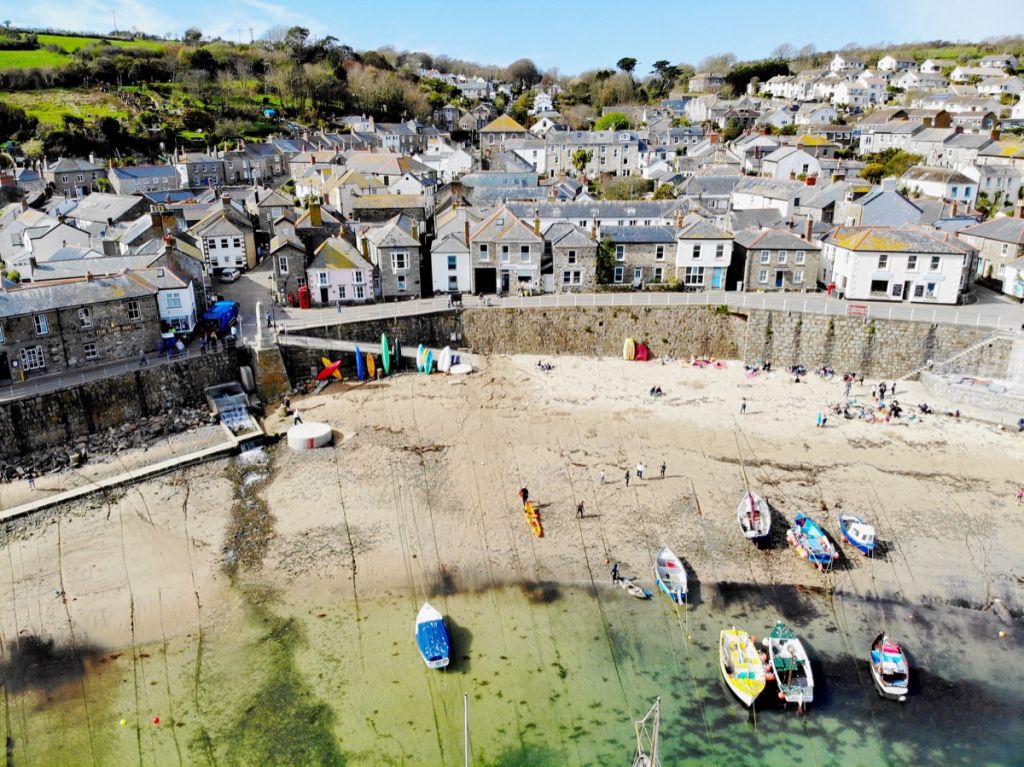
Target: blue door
x=716, y=277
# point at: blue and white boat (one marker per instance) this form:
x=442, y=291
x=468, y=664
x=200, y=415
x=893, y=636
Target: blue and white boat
x=432, y=637
x=857, y=533
x=811, y=543
x=670, y=575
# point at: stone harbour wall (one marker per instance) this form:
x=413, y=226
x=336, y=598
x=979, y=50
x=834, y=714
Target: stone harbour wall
x=58, y=417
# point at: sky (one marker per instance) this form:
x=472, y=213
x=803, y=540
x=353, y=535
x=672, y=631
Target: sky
x=570, y=35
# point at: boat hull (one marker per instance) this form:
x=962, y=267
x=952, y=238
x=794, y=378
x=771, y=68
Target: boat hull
x=785, y=653
x=670, y=575
x=741, y=666
x=810, y=542
x=432, y=637
x=865, y=547
x=754, y=517
x=885, y=687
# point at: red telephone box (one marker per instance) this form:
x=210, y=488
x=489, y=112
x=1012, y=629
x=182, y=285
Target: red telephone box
x=304, y=297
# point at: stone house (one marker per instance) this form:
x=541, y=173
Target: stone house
x=776, y=260
x=197, y=169
x=998, y=241
x=69, y=324
x=315, y=226
x=500, y=130
x=642, y=253
x=615, y=152
x=139, y=179
x=266, y=206
x=393, y=249
x=288, y=261
x=506, y=253
x=227, y=237
x=72, y=176
x=573, y=254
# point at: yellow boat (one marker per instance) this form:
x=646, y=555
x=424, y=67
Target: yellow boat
x=533, y=519
x=741, y=665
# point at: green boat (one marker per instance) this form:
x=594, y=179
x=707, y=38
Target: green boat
x=789, y=663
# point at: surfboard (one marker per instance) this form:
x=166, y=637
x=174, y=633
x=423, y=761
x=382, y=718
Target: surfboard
x=628, y=349
x=371, y=366
x=360, y=367
x=398, y=355
x=444, y=362
x=428, y=362
x=385, y=354
x=419, y=357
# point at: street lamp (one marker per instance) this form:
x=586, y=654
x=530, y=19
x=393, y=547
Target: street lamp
x=273, y=302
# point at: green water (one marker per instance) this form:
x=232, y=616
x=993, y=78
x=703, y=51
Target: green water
x=554, y=676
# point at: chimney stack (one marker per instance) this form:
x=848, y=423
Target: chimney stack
x=536, y=224
x=953, y=209
x=994, y=134
x=593, y=232
x=315, y=218
x=225, y=201
x=465, y=230
x=809, y=229
x=416, y=230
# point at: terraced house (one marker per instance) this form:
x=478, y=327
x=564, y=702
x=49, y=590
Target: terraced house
x=774, y=259
x=642, y=253
x=615, y=152
x=506, y=253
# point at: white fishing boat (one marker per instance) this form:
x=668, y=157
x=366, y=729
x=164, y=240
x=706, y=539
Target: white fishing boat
x=789, y=663
x=647, y=738
x=670, y=575
x=754, y=516
x=889, y=668
x=432, y=637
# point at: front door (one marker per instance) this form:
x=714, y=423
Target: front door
x=716, y=277
x=906, y=290
x=5, y=370
x=504, y=283
x=780, y=279
x=323, y=296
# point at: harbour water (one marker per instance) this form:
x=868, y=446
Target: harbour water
x=555, y=675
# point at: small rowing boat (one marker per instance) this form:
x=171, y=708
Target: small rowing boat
x=632, y=588
x=754, y=516
x=432, y=637
x=741, y=665
x=670, y=575
x=811, y=543
x=789, y=662
x=889, y=668
x=857, y=533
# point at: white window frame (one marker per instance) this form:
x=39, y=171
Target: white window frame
x=341, y=292
x=41, y=325
x=401, y=284
x=506, y=254
x=883, y=262
x=619, y=275
x=566, y=277
x=936, y=263
x=783, y=256
x=402, y=257
x=92, y=353
x=911, y=263
x=85, y=316
x=720, y=250
x=696, y=250
x=694, y=275
x=798, y=276
x=453, y=263
x=766, y=256
x=659, y=252
x=800, y=258
x=659, y=274
x=322, y=281
x=173, y=299
x=570, y=257
x=360, y=292
x=358, y=277
x=524, y=254
x=282, y=264
x=484, y=252
x=32, y=358
x=133, y=309
x=762, y=277
x=620, y=252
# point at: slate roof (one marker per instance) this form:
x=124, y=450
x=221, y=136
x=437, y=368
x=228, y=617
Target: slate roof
x=941, y=175
x=338, y=253
x=639, y=234
x=99, y=206
x=144, y=171
x=773, y=239
x=50, y=296
x=96, y=263
x=453, y=242
x=72, y=165
x=396, y=233
x=563, y=234
x=886, y=239
x=772, y=188
x=503, y=225
x=604, y=209
x=1001, y=229
x=699, y=228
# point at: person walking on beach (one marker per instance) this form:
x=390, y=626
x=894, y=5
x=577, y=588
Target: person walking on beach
x=663, y=467
x=627, y=477
x=1020, y=496
x=579, y=510
x=524, y=494
x=892, y=389
x=296, y=416
x=615, y=572
x=881, y=390
x=743, y=406
x=640, y=470
x=31, y=478
x=860, y=380
x=602, y=476
x=846, y=389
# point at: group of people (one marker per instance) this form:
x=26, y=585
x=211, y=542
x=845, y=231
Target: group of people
x=547, y=367
x=656, y=391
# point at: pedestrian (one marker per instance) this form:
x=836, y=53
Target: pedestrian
x=663, y=467
x=524, y=494
x=743, y=406
x=268, y=318
x=202, y=345
x=339, y=306
x=31, y=477
x=602, y=476
x=860, y=380
x=615, y=572
x=892, y=390
x=881, y=390
x=579, y=510
x=1020, y=496
x=640, y=470
x=627, y=477
x=449, y=300
x=234, y=333
x=846, y=389
x=296, y=416
x=142, y=359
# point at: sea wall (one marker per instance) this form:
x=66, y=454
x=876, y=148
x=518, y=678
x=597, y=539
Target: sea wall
x=57, y=417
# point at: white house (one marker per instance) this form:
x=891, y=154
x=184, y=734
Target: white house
x=843, y=64
x=997, y=86
x=850, y=94
x=542, y=102
x=450, y=264
x=790, y=162
x=935, y=66
x=703, y=254
x=782, y=195
x=999, y=61
x=175, y=298
x=907, y=264
x=911, y=80
x=1017, y=113
x=892, y=63
x=941, y=183
x=816, y=114
x=963, y=74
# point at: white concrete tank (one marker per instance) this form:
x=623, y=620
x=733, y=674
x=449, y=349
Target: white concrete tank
x=306, y=436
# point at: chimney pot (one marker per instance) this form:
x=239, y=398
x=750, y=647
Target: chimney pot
x=994, y=134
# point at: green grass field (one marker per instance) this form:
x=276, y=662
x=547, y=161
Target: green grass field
x=43, y=58
x=50, y=106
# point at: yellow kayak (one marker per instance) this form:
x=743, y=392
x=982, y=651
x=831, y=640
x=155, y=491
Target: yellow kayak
x=741, y=665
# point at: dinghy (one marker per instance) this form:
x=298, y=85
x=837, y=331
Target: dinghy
x=633, y=589
x=754, y=516
x=811, y=543
x=670, y=575
x=432, y=637
x=792, y=668
x=741, y=665
x=857, y=533
x=889, y=668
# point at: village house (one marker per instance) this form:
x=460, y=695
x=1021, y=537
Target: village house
x=775, y=259
x=175, y=299
x=966, y=74
x=72, y=176
x=394, y=251
x=60, y=325
x=615, y=152
x=506, y=253
x=781, y=194
x=196, y=169
x=287, y=259
x=890, y=63
x=941, y=183
x=1010, y=85
x=845, y=64
x=139, y=179
x=339, y=274
x=642, y=253
x=703, y=255
x=998, y=241
x=592, y=216
x=912, y=264
x=573, y=256
x=253, y=164
x=790, y=162
x=706, y=82
x=266, y=206
x=500, y=130
x=999, y=61
x=227, y=237
x=815, y=114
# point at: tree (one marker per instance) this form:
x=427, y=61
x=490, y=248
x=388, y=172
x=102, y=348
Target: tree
x=522, y=74
x=581, y=158
x=784, y=52
x=627, y=64
x=612, y=121
x=720, y=62
x=762, y=70
x=192, y=36
x=664, y=192
x=295, y=42
x=873, y=172
x=665, y=78
x=604, y=270
x=732, y=129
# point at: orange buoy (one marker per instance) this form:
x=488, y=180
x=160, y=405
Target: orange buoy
x=156, y=720
x=782, y=696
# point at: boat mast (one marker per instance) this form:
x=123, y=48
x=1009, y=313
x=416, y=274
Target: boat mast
x=465, y=725
x=645, y=758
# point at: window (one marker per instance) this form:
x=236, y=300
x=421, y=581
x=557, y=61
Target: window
x=452, y=263
x=453, y=282
x=360, y=291
x=484, y=253
x=399, y=262
x=883, y=262
x=911, y=263
x=80, y=178
x=238, y=260
x=223, y=242
x=762, y=276
x=798, y=277
x=918, y=291
x=897, y=290
x=401, y=282
x=620, y=252
x=358, y=277
x=282, y=264
x=134, y=310
x=64, y=179
x=524, y=253
x=173, y=300
x=766, y=256
x=659, y=273
x=619, y=273
x=32, y=358
x=504, y=254
x=782, y=257
x=211, y=244
x=341, y=292
x=321, y=279
x=85, y=316
x=566, y=278
x=41, y=327
x=90, y=351
x=930, y=293
x=800, y=258
x=570, y=257
x=879, y=287
x=696, y=251
x=720, y=250
x=954, y=191
x=935, y=263
x=236, y=242
x=659, y=252
x=694, y=275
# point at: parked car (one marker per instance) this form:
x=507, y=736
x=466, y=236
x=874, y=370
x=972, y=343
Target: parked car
x=230, y=275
